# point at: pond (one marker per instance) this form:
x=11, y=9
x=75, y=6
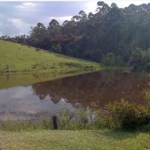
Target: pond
x=91, y=90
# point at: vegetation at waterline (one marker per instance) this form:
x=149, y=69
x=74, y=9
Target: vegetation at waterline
x=117, y=122
x=117, y=115
x=17, y=58
x=75, y=140
x=112, y=35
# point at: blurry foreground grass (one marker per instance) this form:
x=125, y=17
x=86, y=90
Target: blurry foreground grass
x=75, y=140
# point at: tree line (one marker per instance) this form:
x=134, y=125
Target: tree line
x=112, y=35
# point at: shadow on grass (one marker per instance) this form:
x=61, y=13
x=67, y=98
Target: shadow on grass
x=118, y=134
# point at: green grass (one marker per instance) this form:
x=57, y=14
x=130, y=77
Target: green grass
x=75, y=140
x=21, y=65
x=20, y=58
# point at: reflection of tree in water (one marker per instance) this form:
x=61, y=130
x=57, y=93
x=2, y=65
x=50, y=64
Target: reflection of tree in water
x=94, y=89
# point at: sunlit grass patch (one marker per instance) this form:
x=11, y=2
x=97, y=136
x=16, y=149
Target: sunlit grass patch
x=21, y=58
x=75, y=140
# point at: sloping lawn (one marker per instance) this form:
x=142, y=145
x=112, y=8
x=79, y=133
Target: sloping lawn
x=75, y=140
x=21, y=58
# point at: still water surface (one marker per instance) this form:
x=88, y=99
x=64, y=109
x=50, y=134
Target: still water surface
x=92, y=90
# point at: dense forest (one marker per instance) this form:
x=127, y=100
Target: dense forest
x=112, y=36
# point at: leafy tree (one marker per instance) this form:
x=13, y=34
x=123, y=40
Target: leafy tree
x=56, y=48
x=109, y=59
x=112, y=35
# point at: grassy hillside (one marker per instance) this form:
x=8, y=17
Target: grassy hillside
x=74, y=140
x=20, y=58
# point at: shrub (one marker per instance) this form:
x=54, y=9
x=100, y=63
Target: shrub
x=102, y=120
x=109, y=60
x=127, y=115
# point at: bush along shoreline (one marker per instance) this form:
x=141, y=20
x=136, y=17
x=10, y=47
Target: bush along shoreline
x=117, y=115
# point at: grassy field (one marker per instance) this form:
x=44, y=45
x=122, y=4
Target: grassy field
x=23, y=59
x=23, y=65
x=74, y=140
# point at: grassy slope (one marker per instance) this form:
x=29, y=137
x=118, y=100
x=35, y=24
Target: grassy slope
x=75, y=140
x=32, y=66
x=18, y=58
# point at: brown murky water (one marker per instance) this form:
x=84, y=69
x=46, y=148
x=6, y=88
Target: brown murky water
x=92, y=90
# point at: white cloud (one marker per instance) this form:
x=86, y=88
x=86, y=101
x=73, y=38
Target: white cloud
x=62, y=19
x=65, y=18
x=90, y=6
x=20, y=25
x=27, y=7
x=59, y=19
x=20, y=7
x=22, y=15
x=29, y=4
x=17, y=22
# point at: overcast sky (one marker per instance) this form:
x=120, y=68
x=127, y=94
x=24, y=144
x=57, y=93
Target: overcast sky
x=16, y=18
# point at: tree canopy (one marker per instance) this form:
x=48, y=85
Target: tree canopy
x=110, y=33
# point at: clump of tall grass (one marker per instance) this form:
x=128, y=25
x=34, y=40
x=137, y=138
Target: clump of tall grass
x=66, y=119
x=25, y=125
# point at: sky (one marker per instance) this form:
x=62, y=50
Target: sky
x=17, y=17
